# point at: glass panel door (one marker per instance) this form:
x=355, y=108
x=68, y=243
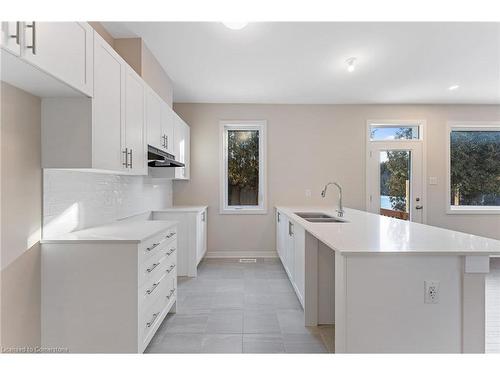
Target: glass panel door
x=395, y=187
x=395, y=180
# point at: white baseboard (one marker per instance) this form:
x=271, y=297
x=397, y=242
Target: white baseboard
x=241, y=254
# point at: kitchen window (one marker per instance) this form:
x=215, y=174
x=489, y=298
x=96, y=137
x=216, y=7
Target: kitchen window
x=473, y=166
x=243, y=167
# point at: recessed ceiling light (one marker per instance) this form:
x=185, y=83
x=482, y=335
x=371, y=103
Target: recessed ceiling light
x=351, y=64
x=453, y=87
x=235, y=25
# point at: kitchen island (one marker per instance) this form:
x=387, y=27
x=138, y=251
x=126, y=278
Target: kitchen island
x=388, y=285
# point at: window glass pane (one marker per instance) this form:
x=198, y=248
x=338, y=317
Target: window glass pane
x=243, y=167
x=395, y=175
x=389, y=133
x=475, y=168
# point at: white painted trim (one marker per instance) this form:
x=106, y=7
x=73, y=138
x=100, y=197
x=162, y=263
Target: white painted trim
x=241, y=254
x=465, y=126
x=477, y=264
x=261, y=126
x=422, y=139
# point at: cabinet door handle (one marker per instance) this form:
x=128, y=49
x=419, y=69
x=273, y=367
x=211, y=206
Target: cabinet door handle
x=279, y=217
x=171, y=251
x=153, y=287
x=150, y=323
x=203, y=216
x=18, y=31
x=152, y=246
x=171, y=268
x=125, y=152
x=153, y=266
x=172, y=291
x=290, y=228
x=130, y=154
x=33, y=37
x=170, y=234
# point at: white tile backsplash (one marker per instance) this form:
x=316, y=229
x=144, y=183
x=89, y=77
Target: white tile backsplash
x=75, y=200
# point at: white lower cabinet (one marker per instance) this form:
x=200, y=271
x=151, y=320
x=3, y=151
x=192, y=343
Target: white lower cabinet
x=290, y=243
x=107, y=297
x=192, y=238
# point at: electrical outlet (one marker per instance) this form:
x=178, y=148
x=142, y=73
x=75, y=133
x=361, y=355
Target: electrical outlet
x=431, y=288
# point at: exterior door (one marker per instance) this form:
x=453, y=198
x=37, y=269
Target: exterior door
x=395, y=181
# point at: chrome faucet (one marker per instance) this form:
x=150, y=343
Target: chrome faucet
x=340, y=211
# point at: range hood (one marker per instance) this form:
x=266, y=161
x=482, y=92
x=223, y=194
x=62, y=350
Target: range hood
x=160, y=159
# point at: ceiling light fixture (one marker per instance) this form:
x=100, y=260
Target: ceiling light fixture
x=235, y=25
x=351, y=64
x=453, y=87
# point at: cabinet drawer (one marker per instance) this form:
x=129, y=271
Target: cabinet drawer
x=152, y=317
x=155, y=265
x=151, y=247
x=154, y=287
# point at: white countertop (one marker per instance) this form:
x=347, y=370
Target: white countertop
x=182, y=209
x=370, y=233
x=133, y=231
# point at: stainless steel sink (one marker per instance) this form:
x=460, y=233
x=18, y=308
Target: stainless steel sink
x=315, y=215
x=318, y=217
x=325, y=220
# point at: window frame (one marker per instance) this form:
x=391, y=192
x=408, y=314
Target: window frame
x=466, y=126
x=393, y=123
x=261, y=208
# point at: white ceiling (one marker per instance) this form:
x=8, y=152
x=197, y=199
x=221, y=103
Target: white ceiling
x=303, y=62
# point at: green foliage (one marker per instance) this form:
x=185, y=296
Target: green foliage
x=395, y=172
x=243, y=162
x=475, y=167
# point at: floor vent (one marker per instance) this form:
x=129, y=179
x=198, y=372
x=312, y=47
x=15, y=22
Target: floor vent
x=248, y=260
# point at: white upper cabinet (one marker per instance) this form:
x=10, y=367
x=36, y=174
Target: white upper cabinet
x=153, y=119
x=160, y=122
x=135, y=127
x=62, y=49
x=167, y=128
x=108, y=107
x=181, y=147
x=106, y=132
x=11, y=37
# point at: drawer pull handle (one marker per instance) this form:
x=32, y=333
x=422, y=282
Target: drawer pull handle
x=170, y=234
x=152, y=246
x=171, y=268
x=171, y=251
x=153, y=266
x=153, y=287
x=172, y=291
x=150, y=323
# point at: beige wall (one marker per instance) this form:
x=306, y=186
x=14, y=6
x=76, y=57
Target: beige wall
x=21, y=201
x=309, y=145
x=135, y=52
x=156, y=77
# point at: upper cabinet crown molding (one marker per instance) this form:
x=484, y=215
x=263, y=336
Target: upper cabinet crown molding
x=51, y=58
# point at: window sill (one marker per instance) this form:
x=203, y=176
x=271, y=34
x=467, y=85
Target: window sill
x=473, y=210
x=243, y=211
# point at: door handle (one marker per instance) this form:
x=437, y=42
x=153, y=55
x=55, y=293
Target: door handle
x=18, y=31
x=33, y=37
x=419, y=207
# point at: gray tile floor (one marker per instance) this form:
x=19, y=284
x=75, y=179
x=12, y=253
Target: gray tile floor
x=239, y=308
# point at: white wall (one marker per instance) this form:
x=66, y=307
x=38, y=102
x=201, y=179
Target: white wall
x=75, y=200
x=309, y=145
